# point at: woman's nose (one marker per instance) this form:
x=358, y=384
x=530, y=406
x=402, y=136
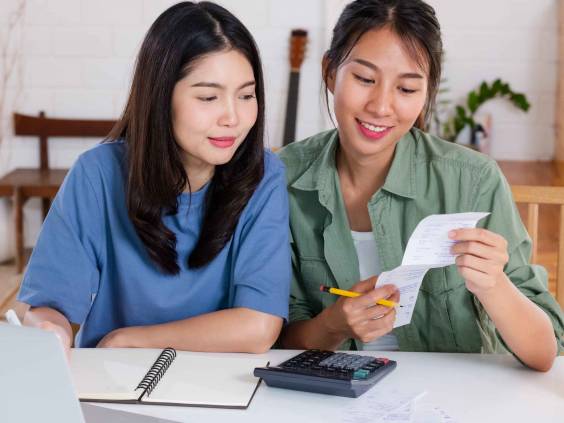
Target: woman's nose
x=380, y=102
x=229, y=117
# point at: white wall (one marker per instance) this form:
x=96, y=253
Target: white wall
x=77, y=56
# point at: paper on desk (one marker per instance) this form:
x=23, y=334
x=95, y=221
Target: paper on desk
x=377, y=405
x=429, y=413
x=428, y=247
x=402, y=415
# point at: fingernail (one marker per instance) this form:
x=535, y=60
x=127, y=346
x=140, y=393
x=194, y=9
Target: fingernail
x=452, y=234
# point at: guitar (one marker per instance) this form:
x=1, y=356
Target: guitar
x=298, y=41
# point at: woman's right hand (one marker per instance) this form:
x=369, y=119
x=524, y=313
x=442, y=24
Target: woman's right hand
x=59, y=332
x=53, y=321
x=361, y=318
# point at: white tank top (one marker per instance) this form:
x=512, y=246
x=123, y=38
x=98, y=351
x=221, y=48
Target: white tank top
x=369, y=265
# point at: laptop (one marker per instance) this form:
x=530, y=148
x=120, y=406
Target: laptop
x=36, y=383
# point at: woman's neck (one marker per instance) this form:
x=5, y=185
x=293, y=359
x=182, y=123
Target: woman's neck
x=198, y=173
x=361, y=173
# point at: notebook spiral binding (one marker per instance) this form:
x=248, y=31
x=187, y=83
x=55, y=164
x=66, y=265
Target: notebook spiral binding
x=157, y=371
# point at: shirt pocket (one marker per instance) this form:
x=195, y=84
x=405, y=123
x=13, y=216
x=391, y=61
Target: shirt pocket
x=441, y=280
x=434, y=282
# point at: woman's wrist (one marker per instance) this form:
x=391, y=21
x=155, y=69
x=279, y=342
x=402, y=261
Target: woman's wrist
x=332, y=332
x=128, y=337
x=491, y=296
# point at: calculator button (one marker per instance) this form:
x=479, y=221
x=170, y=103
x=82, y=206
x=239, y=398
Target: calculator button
x=361, y=374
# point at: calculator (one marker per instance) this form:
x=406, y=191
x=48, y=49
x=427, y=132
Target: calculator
x=327, y=372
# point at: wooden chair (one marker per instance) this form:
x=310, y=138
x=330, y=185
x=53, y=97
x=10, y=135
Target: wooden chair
x=43, y=182
x=533, y=196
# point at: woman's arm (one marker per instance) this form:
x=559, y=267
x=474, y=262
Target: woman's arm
x=525, y=328
x=232, y=330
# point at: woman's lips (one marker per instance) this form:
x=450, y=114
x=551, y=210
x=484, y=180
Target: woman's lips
x=373, y=135
x=222, y=142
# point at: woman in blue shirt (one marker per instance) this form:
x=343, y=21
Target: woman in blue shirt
x=174, y=232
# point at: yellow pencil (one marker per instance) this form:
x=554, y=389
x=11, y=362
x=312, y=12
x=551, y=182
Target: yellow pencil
x=351, y=294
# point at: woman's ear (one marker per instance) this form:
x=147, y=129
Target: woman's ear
x=328, y=76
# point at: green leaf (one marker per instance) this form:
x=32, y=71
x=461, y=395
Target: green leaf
x=520, y=101
x=505, y=90
x=485, y=92
x=459, y=124
x=460, y=112
x=496, y=86
x=473, y=102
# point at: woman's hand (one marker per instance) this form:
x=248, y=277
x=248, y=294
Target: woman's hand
x=482, y=256
x=66, y=341
x=51, y=320
x=361, y=318
x=119, y=338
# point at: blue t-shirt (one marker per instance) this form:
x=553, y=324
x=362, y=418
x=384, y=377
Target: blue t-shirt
x=90, y=264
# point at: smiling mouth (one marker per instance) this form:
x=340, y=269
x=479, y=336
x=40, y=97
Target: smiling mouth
x=373, y=128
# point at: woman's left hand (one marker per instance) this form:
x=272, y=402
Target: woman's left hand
x=482, y=256
x=119, y=338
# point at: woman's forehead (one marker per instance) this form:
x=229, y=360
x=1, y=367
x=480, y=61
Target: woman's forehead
x=226, y=65
x=387, y=50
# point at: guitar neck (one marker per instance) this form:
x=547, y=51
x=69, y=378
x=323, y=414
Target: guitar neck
x=291, y=108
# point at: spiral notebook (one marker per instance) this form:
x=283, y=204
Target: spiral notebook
x=165, y=377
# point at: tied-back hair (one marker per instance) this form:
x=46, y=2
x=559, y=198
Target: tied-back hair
x=156, y=175
x=414, y=21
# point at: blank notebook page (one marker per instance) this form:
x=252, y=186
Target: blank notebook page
x=208, y=379
x=110, y=374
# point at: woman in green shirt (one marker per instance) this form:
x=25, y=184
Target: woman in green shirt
x=379, y=175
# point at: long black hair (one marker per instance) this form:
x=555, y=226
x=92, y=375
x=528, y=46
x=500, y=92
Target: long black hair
x=156, y=175
x=414, y=21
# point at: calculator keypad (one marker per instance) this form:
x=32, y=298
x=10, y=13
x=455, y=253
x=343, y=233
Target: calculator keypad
x=333, y=365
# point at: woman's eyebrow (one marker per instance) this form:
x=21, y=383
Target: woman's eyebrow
x=376, y=68
x=217, y=85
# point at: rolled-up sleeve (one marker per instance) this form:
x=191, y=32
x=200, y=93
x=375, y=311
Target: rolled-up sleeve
x=495, y=196
x=300, y=305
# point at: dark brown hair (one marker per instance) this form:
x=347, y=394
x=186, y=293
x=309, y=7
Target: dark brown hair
x=155, y=172
x=414, y=21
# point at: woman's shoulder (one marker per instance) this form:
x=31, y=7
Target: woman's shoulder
x=106, y=158
x=272, y=163
x=105, y=153
x=431, y=148
x=300, y=155
x=102, y=165
x=274, y=171
x=271, y=188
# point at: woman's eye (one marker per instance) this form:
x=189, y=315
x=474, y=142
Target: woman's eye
x=207, y=99
x=406, y=90
x=363, y=80
x=248, y=97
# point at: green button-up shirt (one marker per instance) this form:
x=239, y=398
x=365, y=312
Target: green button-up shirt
x=427, y=176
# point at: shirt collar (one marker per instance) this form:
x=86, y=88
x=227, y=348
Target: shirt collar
x=315, y=178
x=400, y=180
x=401, y=176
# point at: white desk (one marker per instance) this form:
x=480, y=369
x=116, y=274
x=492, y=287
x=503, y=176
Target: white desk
x=470, y=387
